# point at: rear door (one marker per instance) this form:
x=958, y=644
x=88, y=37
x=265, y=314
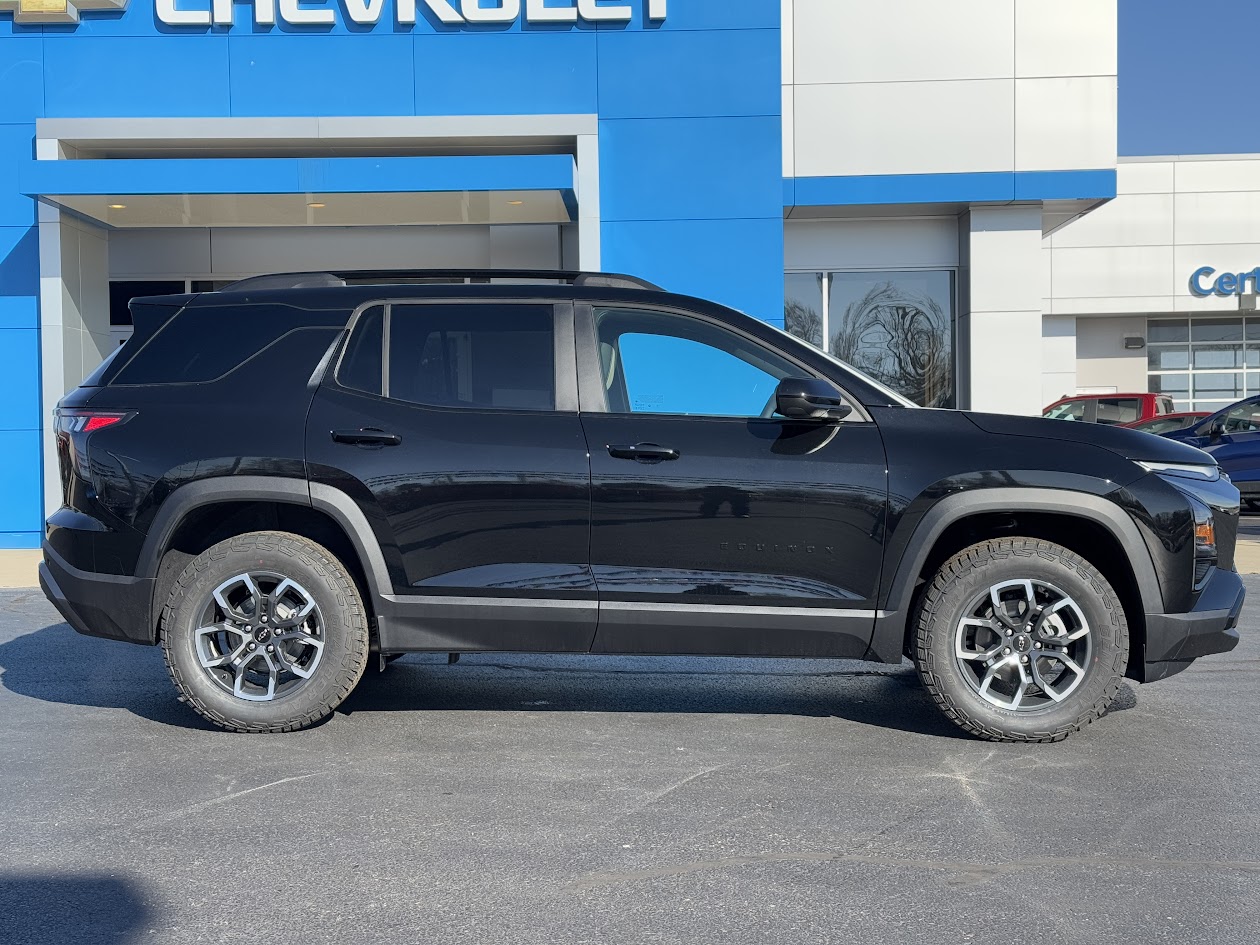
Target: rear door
x=454, y=426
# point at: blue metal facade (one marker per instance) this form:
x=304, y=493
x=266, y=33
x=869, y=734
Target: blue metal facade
x=689, y=124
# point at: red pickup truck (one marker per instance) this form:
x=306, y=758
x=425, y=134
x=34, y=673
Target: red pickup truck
x=1109, y=408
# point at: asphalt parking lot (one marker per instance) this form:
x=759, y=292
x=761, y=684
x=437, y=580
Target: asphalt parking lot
x=567, y=800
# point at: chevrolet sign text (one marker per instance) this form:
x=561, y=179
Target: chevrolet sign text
x=368, y=12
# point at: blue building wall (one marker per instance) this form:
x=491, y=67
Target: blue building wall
x=691, y=174
x=1187, y=76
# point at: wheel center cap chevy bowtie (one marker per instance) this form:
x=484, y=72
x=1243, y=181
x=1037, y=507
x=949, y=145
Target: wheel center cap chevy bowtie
x=1022, y=643
x=56, y=11
x=262, y=634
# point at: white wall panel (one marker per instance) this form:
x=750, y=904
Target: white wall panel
x=268, y=250
x=904, y=128
x=1065, y=38
x=1145, y=177
x=1112, y=272
x=137, y=254
x=1213, y=218
x=789, y=131
x=525, y=247
x=902, y=40
x=1136, y=220
x=921, y=243
x=1102, y=360
x=1058, y=357
x=1118, y=304
x=1208, y=176
x=787, y=13
x=1065, y=123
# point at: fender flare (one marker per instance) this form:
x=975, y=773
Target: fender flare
x=333, y=502
x=890, y=625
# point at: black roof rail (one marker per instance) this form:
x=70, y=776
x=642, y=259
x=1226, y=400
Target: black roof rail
x=316, y=280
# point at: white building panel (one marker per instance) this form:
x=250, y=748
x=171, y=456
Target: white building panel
x=789, y=131
x=1120, y=304
x=1112, y=272
x=1065, y=123
x=875, y=244
x=1145, y=177
x=1065, y=38
x=1198, y=176
x=1215, y=218
x=902, y=40
x=1134, y=220
x=904, y=128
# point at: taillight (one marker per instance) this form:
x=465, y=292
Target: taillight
x=73, y=426
x=78, y=420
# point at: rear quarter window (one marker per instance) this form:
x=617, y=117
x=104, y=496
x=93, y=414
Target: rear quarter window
x=204, y=343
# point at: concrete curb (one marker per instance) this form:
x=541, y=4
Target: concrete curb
x=19, y=568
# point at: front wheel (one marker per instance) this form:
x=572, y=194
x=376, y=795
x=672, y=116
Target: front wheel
x=1021, y=640
x=265, y=632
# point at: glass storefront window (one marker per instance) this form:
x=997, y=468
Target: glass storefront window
x=1202, y=363
x=897, y=327
x=803, y=306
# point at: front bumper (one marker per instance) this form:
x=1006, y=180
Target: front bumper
x=1174, y=641
x=98, y=605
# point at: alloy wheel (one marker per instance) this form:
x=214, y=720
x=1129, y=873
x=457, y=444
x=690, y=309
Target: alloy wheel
x=1023, y=645
x=260, y=636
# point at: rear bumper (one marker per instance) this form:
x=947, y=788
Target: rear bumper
x=1174, y=641
x=98, y=605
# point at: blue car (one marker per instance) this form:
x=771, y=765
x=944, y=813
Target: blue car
x=1232, y=435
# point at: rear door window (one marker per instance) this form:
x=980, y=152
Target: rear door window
x=1119, y=409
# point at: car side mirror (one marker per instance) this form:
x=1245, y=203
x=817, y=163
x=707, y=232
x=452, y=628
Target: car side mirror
x=1217, y=431
x=810, y=398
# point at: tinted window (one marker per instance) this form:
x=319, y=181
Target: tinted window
x=206, y=342
x=361, y=364
x=496, y=356
x=654, y=362
x=1244, y=418
x=1069, y=410
x=1119, y=410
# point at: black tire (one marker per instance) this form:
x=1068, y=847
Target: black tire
x=343, y=657
x=1251, y=506
x=961, y=581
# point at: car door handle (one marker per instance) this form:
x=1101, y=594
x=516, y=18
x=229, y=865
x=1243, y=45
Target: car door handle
x=643, y=452
x=367, y=436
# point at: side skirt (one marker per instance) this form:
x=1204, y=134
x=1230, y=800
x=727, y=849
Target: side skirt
x=471, y=624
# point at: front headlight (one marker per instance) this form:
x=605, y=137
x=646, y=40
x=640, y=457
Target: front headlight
x=1206, y=472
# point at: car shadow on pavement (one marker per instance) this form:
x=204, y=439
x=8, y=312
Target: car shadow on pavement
x=87, y=671
x=869, y=694
x=55, y=664
x=64, y=908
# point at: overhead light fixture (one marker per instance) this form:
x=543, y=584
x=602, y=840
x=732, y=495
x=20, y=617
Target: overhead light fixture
x=317, y=206
x=118, y=206
x=515, y=203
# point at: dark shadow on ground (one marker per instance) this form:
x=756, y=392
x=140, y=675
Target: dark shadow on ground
x=71, y=909
x=56, y=664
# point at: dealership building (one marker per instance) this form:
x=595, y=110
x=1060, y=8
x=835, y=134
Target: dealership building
x=983, y=203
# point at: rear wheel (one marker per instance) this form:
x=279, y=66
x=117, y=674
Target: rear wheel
x=265, y=632
x=1019, y=639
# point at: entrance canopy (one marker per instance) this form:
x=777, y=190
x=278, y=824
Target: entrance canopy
x=310, y=191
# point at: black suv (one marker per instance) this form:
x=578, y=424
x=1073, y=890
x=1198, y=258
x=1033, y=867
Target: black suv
x=297, y=476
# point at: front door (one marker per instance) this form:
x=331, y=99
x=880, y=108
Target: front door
x=454, y=426
x=717, y=526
